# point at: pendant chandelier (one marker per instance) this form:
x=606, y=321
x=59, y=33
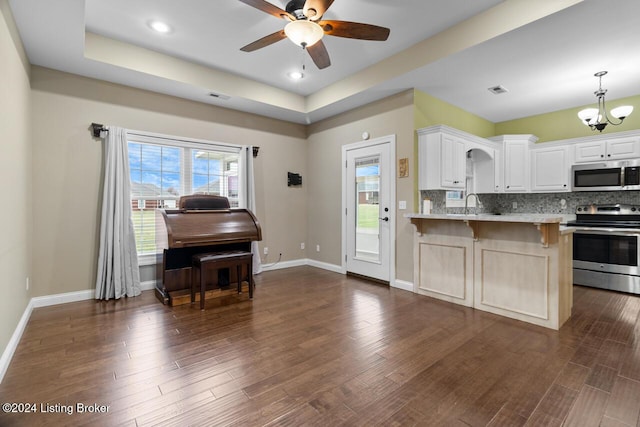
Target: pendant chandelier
x=597, y=118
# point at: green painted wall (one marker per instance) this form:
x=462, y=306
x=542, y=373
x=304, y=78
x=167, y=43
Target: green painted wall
x=430, y=111
x=565, y=124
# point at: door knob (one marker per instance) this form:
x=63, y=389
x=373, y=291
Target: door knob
x=386, y=218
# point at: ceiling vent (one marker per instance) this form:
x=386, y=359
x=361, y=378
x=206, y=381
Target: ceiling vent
x=219, y=96
x=497, y=90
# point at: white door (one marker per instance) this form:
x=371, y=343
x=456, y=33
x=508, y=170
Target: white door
x=369, y=214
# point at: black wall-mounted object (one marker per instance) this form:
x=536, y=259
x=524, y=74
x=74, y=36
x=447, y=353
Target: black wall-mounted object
x=97, y=128
x=294, y=179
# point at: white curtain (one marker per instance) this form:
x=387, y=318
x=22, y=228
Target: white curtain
x=248, y=200
x=118, y=273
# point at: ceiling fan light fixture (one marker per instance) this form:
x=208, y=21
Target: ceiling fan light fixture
x=303, y=33
x=295, y=75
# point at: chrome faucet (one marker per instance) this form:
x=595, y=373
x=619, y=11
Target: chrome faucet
x=466, y=204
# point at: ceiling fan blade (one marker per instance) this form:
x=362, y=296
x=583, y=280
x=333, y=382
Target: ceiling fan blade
x=314, y=9
x=319, y=54
x=355, y=30
x=269, y=8
x=265, y=41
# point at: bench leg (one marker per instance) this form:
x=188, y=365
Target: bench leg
x=193, y=284
x=239, y=273
x=250, y=280
x=203, y=288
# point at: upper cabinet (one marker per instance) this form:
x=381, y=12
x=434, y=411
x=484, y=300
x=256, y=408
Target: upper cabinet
x=450, y=159
x=609, y=149
x=515, y=162
x=550, y=168
x=452, y=164
x=442, y=154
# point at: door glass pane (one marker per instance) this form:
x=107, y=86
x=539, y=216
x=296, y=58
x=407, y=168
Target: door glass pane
x=367, y=208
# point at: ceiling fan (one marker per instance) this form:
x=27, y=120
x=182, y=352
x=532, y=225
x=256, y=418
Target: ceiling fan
x=305, y=28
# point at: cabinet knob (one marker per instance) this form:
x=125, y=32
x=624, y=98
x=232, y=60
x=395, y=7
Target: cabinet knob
x=508, y=186
x=601, y=155
x=608, y=155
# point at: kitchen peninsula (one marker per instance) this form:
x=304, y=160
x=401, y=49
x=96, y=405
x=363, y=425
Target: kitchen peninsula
x=518, y=266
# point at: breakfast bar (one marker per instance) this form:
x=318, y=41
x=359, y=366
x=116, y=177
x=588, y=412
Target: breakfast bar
x=518, y=266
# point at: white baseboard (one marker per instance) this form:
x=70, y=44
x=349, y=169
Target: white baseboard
x=48, y=300
x=326, y=266
x=284, y=264
x=302, y=262
x=148, y=285
x=12, y=345
x=404, y=285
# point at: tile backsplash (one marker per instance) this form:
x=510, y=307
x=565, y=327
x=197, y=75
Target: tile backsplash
x=534, y=202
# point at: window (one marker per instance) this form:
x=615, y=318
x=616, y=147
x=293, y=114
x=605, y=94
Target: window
x=162, y=169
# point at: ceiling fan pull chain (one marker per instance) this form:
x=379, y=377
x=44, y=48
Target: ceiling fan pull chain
x=303, y=57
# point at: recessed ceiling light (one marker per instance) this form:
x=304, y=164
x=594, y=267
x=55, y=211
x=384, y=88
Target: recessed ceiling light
x=295, y=75
x=160, y=26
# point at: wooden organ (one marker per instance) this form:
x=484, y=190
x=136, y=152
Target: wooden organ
x=186, y=232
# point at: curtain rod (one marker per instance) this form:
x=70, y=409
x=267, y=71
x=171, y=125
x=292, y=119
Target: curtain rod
x=96, y=128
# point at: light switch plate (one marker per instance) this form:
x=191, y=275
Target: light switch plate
x=402, y=204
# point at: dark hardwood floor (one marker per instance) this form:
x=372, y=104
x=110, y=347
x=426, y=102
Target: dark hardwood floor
x=319, y=348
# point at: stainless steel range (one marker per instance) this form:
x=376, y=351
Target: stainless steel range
x=605, y=247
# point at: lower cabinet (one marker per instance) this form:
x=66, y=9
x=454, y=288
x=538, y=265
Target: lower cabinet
x=518, y=270
x=445, y=266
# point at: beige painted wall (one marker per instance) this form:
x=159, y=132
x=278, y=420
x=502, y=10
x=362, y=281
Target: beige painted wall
x=67, y=168
x=390, y=116
x=15, y=174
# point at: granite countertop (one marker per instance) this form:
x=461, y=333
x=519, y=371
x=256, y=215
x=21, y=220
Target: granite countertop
x=533, y=218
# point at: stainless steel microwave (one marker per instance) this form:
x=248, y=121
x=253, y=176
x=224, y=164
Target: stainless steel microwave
x=606, y=176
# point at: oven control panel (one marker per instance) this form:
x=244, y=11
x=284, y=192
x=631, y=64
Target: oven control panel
x=617, y=209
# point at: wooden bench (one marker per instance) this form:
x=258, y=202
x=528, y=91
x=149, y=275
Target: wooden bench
x=200, y=263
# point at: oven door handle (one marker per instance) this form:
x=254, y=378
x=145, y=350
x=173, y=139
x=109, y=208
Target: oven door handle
x=607, y=231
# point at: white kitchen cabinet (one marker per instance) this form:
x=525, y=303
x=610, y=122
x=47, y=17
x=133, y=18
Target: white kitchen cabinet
x=550, y=169
x=452, y=162
x=516, y=167
x=623, y=148
x=442, y=158
x=515, y=163
x=486, y=176
x=609, y=149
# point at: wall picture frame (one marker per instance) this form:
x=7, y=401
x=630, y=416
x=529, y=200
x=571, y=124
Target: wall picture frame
x=403, y=168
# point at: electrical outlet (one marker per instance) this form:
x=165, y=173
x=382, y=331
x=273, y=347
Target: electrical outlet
x=402, y=205
x=317, y=248
x=515, y=205
x=302, y=245
x=266, y=250
x=27, y=285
